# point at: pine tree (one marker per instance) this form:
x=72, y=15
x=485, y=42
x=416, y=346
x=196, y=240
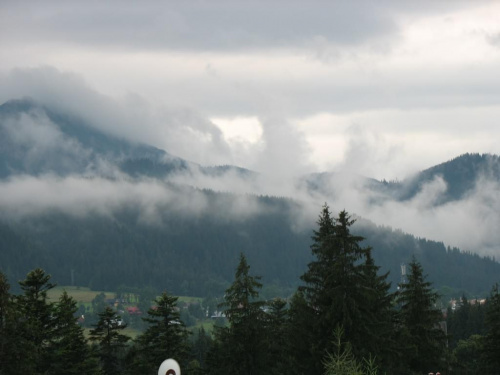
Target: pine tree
x=110, y=342
x=424, y=340
x=165, y=337
x=491, y=342
x=238, y=348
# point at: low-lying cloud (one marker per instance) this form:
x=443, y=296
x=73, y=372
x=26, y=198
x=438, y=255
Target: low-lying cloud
x=28, y=196
x=470, y=224
x=281, y=156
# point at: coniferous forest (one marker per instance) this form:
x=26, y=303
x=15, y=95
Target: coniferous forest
x=343, y=318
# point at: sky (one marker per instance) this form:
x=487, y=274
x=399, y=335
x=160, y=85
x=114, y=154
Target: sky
x=382, y=88
x=376, y=88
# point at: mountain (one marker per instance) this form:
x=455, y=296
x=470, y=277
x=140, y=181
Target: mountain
x=37, y=140
x=144, y=226
x=460, y=176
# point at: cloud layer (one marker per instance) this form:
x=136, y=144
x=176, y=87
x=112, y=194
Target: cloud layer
x=379, y=89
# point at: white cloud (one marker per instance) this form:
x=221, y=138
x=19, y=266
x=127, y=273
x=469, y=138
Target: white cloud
x=180, y=131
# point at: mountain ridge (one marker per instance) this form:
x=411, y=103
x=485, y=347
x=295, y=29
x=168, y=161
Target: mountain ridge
x=187, y=238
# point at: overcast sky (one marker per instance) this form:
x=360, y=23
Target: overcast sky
x=380, y=88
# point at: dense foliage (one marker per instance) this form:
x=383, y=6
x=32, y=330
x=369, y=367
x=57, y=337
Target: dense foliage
x=342, y=290
x=160, y=246
x=343, y=318
x=196, y=255
x=424, y=342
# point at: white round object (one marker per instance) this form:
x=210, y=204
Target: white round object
x=169, y=367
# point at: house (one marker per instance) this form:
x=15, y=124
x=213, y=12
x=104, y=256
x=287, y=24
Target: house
x=134, y=310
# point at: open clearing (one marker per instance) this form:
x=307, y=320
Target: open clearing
x=80, y=294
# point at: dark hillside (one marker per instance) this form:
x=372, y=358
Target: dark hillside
x=195, y=255
x=193, y=252
x=460, y=174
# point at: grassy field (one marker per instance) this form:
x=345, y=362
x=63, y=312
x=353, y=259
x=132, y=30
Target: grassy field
x=85, y=295
x=80, y=294
x=190, y=299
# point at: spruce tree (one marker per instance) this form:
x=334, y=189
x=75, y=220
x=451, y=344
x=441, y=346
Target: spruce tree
x=201, y=346
x=36, y=323
x=300, y=338
x=110, y=342
x=423, y=339
x=275, y=341
x=165, y=337
x=379, y=317
x=238, y=349
x=71, y=352
x=13, y=342
x=491, y=342
x=342, y=291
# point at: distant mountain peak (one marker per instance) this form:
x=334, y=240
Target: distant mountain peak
x=78, y=147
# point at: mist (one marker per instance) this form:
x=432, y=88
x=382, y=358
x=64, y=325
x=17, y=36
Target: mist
x=280, y=160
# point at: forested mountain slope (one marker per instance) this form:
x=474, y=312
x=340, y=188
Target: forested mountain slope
x=37, y=140
x=109, y=212
x=196, y=255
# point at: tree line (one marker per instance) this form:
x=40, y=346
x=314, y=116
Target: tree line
x=196, y=256
x=342, y=319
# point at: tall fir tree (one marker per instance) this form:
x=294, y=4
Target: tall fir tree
x=36, y=327
x=423, y=339
x=275, y=341
x=380, y=340
x=110, y=342
x=165, y=337
x=238, y=349
x=13, y=345
x=70, y=348
x=201, y=346
x=491, y=342
x=343, y=290
x=300, y=337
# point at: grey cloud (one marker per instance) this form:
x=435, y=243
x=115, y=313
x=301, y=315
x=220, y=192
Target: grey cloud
x=368, y=151
x=493, y=39
x=32, y=143
x=324, y=30
x=180, y=131
x=283, y=155
x=210, y=25
x=198, y=25
x=28, y=196
x=469, y=224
